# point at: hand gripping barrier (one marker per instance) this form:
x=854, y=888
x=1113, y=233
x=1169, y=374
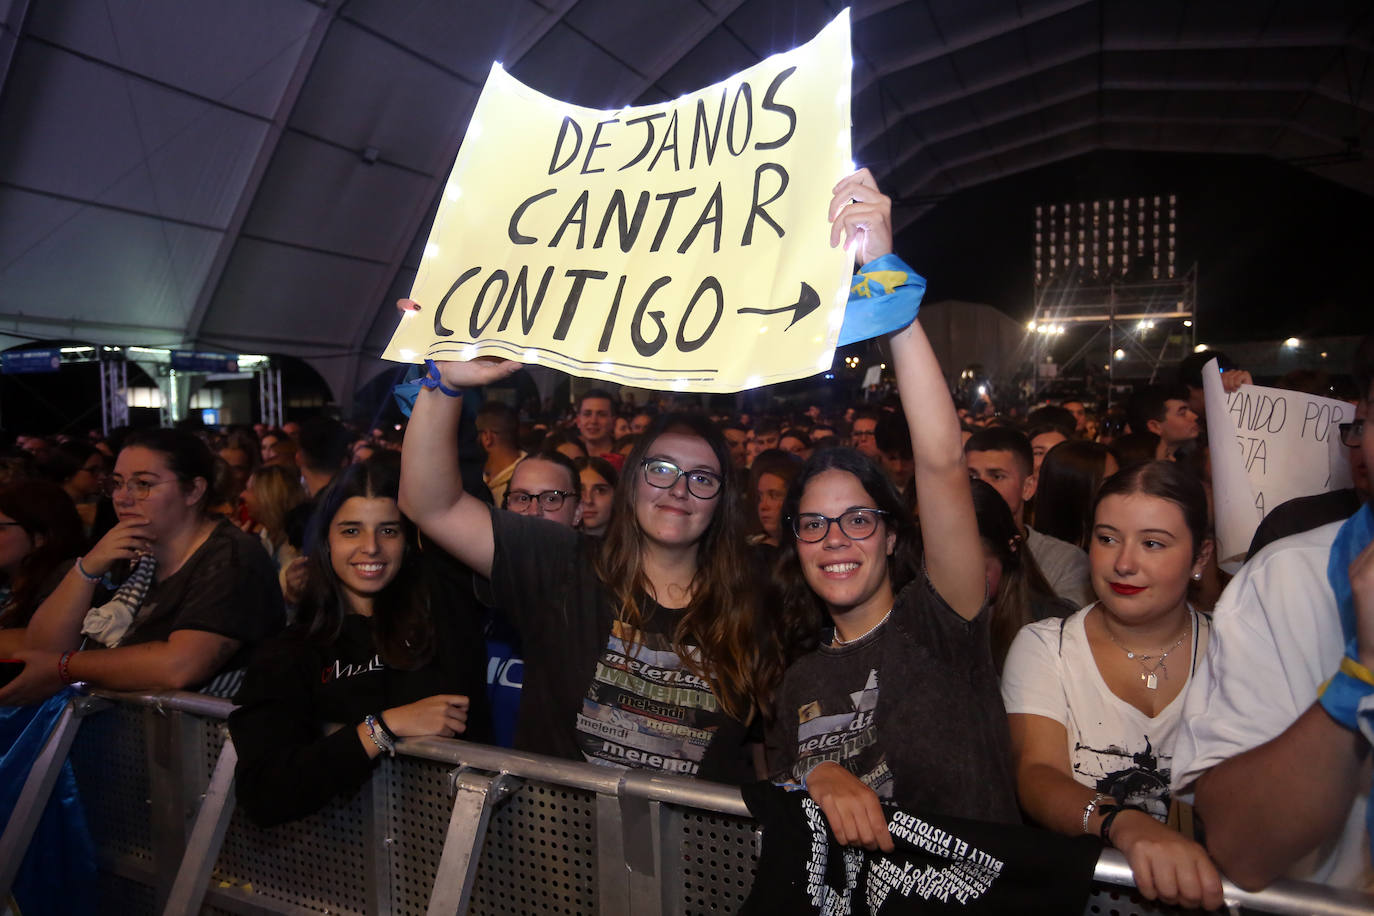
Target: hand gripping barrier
x=444, y=827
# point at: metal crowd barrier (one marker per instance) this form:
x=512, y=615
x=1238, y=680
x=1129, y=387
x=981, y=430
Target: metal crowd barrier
x=444, y=827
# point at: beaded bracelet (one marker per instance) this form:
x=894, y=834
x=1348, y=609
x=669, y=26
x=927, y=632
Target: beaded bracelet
x=378, y=738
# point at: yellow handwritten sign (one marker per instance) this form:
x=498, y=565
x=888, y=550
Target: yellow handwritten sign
x=682, y=246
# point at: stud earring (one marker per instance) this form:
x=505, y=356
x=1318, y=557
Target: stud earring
x=1197, y=577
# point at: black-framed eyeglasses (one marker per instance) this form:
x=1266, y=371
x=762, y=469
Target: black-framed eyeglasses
x=857, y=524
x=662, y=473
x=547, y=500
x=1351, y=433
x=137, y=486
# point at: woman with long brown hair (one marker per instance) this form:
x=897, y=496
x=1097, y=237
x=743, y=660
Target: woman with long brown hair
x=643, y=650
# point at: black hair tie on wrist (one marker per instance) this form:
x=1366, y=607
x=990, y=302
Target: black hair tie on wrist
x=1105, y=830
x=386, y=729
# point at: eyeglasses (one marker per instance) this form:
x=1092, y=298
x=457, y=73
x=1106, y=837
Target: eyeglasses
x=856, y=524
x=547, y=500
x=861, y=434
x=137, y=486
x=1351, y=433
x=661, y=473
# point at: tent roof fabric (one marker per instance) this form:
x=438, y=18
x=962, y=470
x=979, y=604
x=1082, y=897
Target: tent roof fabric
x=260, y=176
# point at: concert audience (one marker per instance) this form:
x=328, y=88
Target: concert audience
x=1016, y=588
x=170, y=595
x=899, y=700
x=1281, y=704
x=598, y=479
x=1095, y=700
x=375, y=648
x=1065, y=489
x=40, y=536
x=1001, y=456
x=665, y=597
x=769, y=477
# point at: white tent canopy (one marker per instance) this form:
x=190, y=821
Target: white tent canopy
x=259, y=176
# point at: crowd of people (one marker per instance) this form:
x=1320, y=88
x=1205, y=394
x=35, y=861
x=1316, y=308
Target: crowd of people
x=906, y=603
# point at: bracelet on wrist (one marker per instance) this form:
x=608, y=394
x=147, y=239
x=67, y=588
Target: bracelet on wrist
x=432, y=381
x=379, y=738
x=81, y=571
x=1091, y=806
x=1105, y=829
x=386, y=729
x=63, y=663
x=1342, y=695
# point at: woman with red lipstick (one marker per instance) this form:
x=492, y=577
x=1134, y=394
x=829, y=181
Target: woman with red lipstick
x=899, y=701
x=370, y=649
x=168, y=598
x=1094, y=700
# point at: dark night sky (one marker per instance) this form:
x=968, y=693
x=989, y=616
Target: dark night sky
x=1281, y=251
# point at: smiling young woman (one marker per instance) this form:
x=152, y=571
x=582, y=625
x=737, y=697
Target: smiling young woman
x=375, y=648
x=1094, y=701
x=899, y=702
x=642, y=648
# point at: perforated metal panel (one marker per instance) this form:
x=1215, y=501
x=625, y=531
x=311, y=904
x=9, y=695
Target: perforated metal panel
x=122, y=896
x=418, y=808
x=718, y=859
x=540, y=854
x=319, y=863
x=111, y=766
x=1110, y=900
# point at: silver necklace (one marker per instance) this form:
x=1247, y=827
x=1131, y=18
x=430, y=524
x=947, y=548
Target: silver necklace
x=836, y=641
x=1148, y=671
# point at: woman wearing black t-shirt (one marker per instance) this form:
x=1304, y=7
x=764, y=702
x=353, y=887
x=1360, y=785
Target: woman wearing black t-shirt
x=167, y=598
x=641, y=650
x=899, y=702
x=367, y=652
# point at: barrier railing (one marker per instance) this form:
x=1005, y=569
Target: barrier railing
x=444, y=827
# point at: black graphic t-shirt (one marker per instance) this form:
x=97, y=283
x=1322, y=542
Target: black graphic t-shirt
x=939, y=864
x=912, y=708
x=839, y=725
x=595, y=690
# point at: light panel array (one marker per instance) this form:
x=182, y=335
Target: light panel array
x=1129, y=238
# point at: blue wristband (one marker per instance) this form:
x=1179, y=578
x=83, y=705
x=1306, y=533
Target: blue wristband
x=431, y=380
x=1342, y=694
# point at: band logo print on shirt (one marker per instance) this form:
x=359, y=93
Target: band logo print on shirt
x=682, y=245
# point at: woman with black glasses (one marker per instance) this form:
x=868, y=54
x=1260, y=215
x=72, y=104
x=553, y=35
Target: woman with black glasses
x=898, y=702
x=642, y=649
x=169, y=596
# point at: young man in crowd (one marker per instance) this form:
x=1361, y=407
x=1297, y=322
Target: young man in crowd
x=1275, y=737
x=1002, y=457
x=738, y=439
x=498, y=432
x=596, y=422
x=862, y=434
x=1164, y=411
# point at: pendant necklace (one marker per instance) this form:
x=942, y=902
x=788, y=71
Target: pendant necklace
x=836, y=641
x=1148, y=672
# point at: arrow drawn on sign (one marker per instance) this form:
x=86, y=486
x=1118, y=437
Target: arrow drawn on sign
x=807, y=302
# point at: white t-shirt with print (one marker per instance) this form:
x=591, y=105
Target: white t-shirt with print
x=1114, y=748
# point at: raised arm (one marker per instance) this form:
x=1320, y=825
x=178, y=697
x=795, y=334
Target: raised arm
x=954, y=559
x=431, y=482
